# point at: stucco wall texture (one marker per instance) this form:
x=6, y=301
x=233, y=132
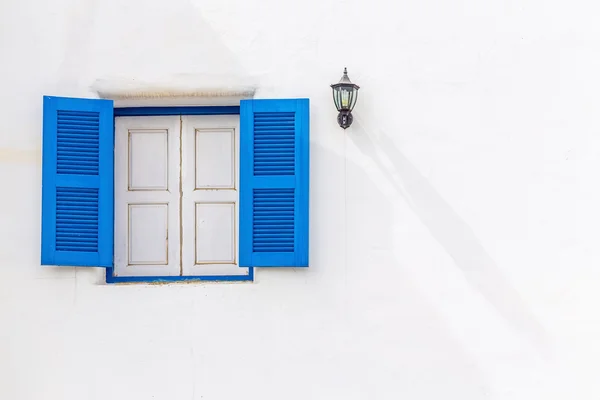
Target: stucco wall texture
x=454, y=226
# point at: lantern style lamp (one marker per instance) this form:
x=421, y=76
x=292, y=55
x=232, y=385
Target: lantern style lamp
x=345, y=94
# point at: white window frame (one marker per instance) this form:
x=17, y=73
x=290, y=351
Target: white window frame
x=206, y=271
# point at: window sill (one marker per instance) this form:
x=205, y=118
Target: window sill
x=156, y=280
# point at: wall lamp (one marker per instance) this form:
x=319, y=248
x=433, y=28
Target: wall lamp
x=345, y=94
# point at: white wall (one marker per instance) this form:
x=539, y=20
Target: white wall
x=454, y=226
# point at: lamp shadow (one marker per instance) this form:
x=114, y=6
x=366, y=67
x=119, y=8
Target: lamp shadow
x=450, y=231
x=403, y=341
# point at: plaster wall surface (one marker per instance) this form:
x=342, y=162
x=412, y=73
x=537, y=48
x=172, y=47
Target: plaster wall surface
x=454, y=226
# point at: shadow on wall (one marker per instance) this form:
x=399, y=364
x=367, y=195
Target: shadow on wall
x=450, y=231
x=188, y=46
x=384, y=335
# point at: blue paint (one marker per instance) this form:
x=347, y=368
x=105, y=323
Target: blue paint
x=77, y=182
x=246, y=182
x=302, y=182
x=157, y=111
x=274, y=183
x=110, y=278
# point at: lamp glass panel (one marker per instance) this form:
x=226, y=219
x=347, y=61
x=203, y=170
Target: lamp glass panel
x=354, y=98
x=336, y=98
x=346, y=98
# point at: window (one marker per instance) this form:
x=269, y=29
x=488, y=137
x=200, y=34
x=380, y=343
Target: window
x=175, y=193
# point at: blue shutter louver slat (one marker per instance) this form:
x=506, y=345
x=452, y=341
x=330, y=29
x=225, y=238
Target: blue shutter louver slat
x=274, y=183
x=76, y=219
x=273, y=216
x=274, y=143
x=77, y=182
x=78, y=143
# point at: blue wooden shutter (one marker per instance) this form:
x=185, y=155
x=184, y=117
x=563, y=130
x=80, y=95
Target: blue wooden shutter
x=77, y=182
x=274, y=175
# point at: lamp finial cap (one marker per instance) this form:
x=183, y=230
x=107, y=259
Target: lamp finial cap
x=345, y=78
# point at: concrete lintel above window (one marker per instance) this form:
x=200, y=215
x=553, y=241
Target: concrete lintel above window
x=181, y=90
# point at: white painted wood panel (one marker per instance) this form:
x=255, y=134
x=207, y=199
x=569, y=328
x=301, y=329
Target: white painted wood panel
x=148, y=234
x=147, y=196
x=214, y=158
x=215, y=232
x=148, y=152
x=210, y=163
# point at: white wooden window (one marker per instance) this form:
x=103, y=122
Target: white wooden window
x=176, y=196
